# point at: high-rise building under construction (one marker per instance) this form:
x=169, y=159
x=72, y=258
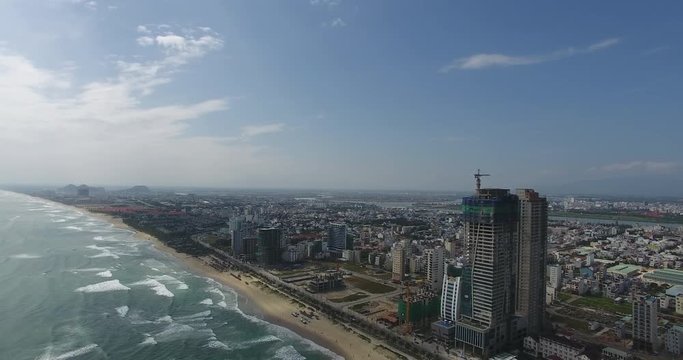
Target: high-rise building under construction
x=500, y=292
x=487, y=302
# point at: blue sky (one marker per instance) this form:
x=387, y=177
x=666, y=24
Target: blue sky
x=339, y=93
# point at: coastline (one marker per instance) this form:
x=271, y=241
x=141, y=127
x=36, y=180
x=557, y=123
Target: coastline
x=259, y=300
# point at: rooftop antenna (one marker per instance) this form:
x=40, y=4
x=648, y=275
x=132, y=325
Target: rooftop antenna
x=477, y=177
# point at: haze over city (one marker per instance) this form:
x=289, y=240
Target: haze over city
x=339, y=94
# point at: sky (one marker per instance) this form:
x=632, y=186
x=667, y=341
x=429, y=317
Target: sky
x=339, y=94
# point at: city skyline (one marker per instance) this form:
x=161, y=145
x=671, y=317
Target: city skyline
x=338, y=94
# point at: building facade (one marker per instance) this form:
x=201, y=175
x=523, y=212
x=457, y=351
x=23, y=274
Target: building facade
x=645, y=323
x=336, y=238
x=398, y=260
x=449, y=298
x=435, y=267
x=530, y=259
x=269, y=247
x=554, y=273
x=674, y=340
x=491, y=218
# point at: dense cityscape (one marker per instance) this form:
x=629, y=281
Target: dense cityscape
x=494, y=275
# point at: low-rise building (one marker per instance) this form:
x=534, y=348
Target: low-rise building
x=556, y=346
x=610, y=353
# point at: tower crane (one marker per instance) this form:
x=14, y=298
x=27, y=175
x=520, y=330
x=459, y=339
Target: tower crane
x=477, y=176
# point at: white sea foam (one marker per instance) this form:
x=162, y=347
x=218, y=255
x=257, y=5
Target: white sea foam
x=285, y=333
x=206, y=302
x=89, y=270
x=164, y=319
x=68, y=355
x=25, y=256
x=71, y=227
x=170, y=280
x=58, y=220
x=111, y=285
x=153, y=264
x=105, y=274
x=204, y=315
x=217, y=292
x=288, y=353
x=177, y=331
x=105, y=251
x=122, y=310
x=262, y=340
x=215, y=344
x=149, y=340
x=222, y=304
x=159, y=288
x=98, y=238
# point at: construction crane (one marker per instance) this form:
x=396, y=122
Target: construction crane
x=407, y=297
x=477, y=176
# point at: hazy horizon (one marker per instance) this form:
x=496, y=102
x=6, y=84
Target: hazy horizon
x=342, y=94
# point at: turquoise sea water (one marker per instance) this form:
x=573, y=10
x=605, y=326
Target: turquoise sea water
x=75, y=287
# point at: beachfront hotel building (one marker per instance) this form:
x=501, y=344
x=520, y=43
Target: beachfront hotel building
x=269, y=247
x=336, y=238
x=645, y=309
x=436, y=263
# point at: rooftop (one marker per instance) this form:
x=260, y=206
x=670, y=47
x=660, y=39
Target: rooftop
x=669, y=276
x=624, y=269
x=675, y=290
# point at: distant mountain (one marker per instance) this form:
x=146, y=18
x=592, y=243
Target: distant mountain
x=69, y=190
x=641, y=186
x=82, y=190
x=136, y=190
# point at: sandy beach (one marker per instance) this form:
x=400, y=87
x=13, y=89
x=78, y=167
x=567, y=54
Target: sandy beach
x=255, y=298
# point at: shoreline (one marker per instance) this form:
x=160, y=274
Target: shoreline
x=261, y=301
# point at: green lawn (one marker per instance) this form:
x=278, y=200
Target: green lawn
x=353, y=267
x=349, y=298
x=577, y=324
x=602, y=303
x=563, y=296
x=369, y=286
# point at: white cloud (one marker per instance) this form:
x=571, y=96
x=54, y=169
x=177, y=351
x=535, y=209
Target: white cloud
x=639, y=166
x=326, y=2
x=459, y=138
x=171, y=41
x=483, y=61
x=180, y=46
x=145, y=41
x=88, y=4
x=103, y=132
x=338, y=22
x=255, y=130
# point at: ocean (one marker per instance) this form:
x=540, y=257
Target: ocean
x=75, y=287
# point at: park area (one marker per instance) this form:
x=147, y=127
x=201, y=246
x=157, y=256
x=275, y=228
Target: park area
x=603, y=303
